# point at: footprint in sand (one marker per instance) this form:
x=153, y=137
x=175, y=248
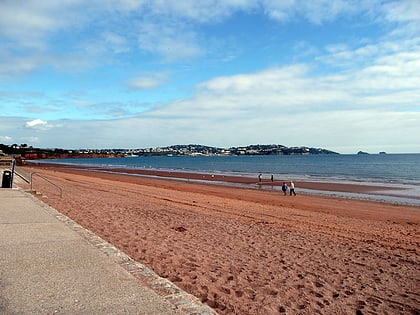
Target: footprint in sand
x=239, y=293
x=224, y=290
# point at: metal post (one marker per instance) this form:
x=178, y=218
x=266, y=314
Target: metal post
x=13, y=172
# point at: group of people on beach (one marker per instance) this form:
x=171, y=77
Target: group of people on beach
x=291, y=188
x=284, y=187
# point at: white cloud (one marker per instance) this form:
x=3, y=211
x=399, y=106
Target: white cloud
x=35, y=123
x=13, y=66
x=38, y=124
x=402, y=11
x=116, y=42
x=122, y=5
x=5, y=139
x=273, y=79
x=316, y=12
x=29, y=22
x=171, y=40
x=148, y=82
x=384, y=61
x=200, y=11
x=30, y=139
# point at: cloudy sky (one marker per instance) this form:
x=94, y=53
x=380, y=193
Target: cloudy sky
x=338, y=74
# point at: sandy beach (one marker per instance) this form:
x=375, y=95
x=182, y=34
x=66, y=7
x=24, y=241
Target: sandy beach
x=250, y=251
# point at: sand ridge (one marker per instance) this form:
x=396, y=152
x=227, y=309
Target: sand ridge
x=244, y=251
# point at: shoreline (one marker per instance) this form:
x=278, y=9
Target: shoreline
x=348, y=190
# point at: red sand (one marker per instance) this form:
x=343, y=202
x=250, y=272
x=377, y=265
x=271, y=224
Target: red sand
x=247, y=251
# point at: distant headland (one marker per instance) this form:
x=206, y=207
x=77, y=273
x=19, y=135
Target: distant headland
x=29, y=152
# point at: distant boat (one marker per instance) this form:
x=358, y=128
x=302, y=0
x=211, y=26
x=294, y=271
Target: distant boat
x=382, y=152
x=361, y=152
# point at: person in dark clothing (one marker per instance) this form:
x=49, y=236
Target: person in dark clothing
x=284, y=188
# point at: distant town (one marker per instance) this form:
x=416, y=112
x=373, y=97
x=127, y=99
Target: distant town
x=29, y=152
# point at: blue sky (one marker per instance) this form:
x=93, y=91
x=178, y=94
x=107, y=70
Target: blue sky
x=338, y=74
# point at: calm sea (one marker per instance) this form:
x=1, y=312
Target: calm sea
x=388, y=170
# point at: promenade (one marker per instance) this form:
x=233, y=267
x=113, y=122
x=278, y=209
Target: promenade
x=51, y=265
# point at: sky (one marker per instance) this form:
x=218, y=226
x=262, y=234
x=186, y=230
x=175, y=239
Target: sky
x=343, y=75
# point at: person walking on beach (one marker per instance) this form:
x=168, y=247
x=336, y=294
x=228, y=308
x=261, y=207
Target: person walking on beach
x=284, y=188
x=259, y=178
x=292, y=188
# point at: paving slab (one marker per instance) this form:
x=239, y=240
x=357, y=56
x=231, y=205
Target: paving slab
x=51, y=265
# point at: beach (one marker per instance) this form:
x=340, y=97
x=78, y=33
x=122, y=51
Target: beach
x=250, y=251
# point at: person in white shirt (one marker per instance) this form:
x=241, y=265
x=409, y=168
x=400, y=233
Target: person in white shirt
x=292, y=188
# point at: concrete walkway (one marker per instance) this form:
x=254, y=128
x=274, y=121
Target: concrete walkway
x=51, y=265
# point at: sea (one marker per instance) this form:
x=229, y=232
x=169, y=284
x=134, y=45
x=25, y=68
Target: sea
x=398, y=173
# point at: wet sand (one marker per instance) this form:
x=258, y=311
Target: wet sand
x=249, y=251
x=226, y=179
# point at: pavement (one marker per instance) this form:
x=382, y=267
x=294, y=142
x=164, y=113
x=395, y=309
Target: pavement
x=51, y=265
